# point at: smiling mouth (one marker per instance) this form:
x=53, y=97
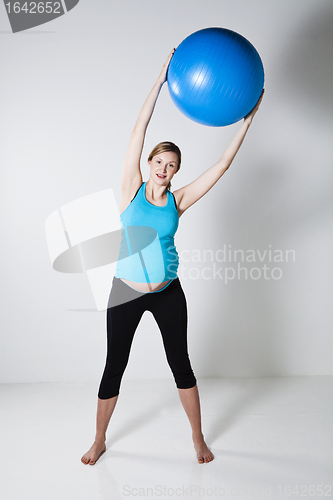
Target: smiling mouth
x=161, y=176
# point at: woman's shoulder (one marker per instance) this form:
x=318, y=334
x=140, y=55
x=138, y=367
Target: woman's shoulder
x=178, y=195
x=177, y=198
x=127, y=198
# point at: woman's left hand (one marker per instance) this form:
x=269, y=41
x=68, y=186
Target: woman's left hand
x=163, y=76
x=250, y=115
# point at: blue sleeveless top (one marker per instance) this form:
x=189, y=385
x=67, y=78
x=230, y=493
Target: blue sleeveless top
x=147, y=250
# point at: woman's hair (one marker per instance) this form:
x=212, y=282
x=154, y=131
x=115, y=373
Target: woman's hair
x=164, y=147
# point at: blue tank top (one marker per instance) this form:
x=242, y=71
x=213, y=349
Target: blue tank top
x=147, y=251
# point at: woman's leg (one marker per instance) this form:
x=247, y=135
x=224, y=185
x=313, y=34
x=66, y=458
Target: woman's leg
x=191, y=404
x=105, y=409
x=170, y=312
x=122, y=321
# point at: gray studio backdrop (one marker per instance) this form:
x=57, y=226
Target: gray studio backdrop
x=71, y=90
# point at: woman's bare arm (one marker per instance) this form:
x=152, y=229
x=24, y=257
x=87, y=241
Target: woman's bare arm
x=189, y=194
x=131, y=175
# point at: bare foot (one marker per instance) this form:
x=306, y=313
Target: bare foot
x=91, y=457
x=203, y=452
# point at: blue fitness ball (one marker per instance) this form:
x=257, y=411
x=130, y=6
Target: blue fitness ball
x=215, y=77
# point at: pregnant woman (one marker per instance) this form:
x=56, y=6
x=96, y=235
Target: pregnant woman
x=146, y=277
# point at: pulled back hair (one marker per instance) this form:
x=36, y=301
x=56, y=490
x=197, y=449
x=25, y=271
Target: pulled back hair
x=164, y=147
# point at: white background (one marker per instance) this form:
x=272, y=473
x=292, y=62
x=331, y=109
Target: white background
x=71, y=90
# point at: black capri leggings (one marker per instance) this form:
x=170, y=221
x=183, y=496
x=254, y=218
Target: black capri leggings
x=168, y=307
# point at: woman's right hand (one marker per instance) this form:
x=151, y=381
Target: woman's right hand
x=163, y=75
x=249, y=116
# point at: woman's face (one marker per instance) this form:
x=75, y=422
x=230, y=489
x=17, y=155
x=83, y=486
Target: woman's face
x=163, y=167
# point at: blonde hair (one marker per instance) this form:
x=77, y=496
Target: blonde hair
x=164, y=147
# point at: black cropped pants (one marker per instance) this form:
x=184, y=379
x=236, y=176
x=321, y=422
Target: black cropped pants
x=125, y=309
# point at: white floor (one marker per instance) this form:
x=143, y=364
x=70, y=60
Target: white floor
x=272, y=438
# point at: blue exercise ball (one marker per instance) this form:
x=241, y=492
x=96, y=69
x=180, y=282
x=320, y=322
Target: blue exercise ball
x=215, y=77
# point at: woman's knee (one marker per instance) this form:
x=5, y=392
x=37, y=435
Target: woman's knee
x=109, y=386
x=185, y=380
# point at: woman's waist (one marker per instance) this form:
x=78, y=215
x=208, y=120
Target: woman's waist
x=145, y=287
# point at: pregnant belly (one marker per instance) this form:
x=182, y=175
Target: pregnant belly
x=145, y=287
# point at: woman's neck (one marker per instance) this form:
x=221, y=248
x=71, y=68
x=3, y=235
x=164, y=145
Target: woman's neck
x=155, y=191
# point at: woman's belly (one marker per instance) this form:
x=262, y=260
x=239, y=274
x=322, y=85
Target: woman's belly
x=145, y=287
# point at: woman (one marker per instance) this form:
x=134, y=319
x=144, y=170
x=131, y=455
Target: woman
x=149, y=281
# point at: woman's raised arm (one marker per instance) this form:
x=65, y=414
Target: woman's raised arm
x=192, y=192
x=131, y=174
